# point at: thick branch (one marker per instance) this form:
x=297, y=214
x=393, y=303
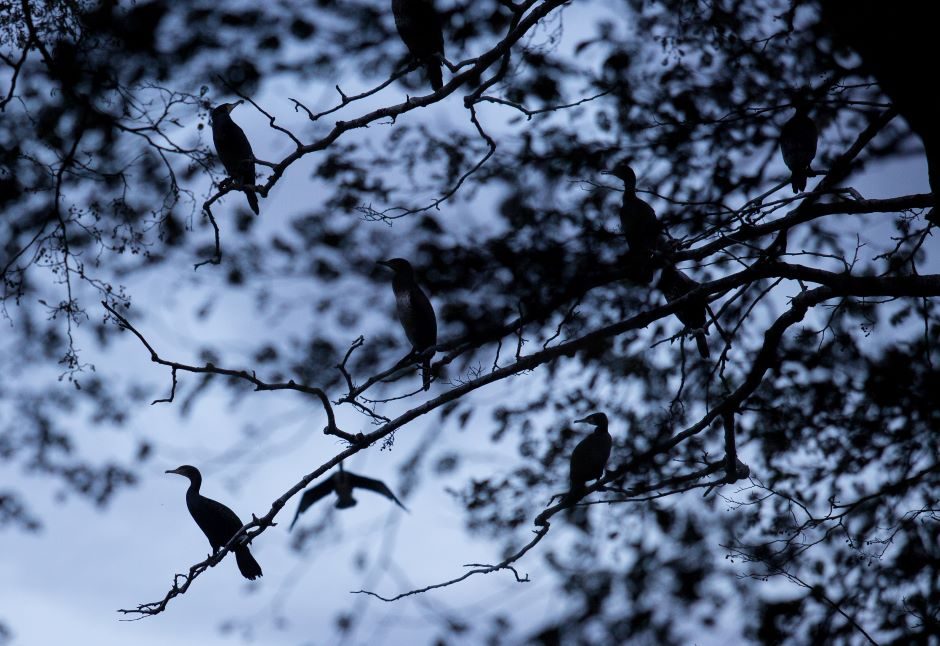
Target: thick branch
x=835, y=285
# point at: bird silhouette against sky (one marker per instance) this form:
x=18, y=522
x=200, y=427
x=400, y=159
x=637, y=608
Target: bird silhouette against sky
x=414, y=312
x=798, y=139
x=675, y=284
x=217, y=522
x=234, y=150
x=641, y=228
x=419, y=25
x=342, y=483
x=590, y=455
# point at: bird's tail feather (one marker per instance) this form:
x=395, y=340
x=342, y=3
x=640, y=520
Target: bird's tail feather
x=426, y=373
x=252, y=201
x=435, y=75
x=798, y=181
x=247, y=564
x=702, y=344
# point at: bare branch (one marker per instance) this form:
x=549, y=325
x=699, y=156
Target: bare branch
x=250, y=377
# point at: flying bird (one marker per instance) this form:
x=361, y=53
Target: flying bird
x=798, y=139
x=674, y=284
x=234, y=150
x=217, y=522
x=342, y=483
x=414, y=312
x=419, y=25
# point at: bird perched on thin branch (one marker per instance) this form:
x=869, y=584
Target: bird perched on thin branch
x=641, y=228
x=234, y=150
x=415, y=312
x=217, y=522
x=419, y=25
x=589, y=457
x=342, y=483
x=675, y=284
x=798, y=139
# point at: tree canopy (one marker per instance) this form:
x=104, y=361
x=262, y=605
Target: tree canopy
x=801, y=454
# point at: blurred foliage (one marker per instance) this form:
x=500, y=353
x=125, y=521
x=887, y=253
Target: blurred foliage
x=103, y=170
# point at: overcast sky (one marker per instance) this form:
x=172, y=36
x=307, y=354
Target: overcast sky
x=64, y=584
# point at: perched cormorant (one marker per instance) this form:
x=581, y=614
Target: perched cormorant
x=217, y=522
x=414, y=311
x=233, y=149
x=343, y=482
x=638, y=221
x=674, y=284
x=590, y=455
x=642, y=230
x=419, y=26
x=798, y=146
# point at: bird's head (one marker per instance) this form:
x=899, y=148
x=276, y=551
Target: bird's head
x=595, y=419
x=225, y=108
x=400, y=266
x=187, y=471
x=801, y=99
x=623, y=171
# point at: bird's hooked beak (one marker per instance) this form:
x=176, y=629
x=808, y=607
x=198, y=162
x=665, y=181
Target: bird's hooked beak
x=232, y=106
x=176, y=471
x=385, y=263
x=583, y=420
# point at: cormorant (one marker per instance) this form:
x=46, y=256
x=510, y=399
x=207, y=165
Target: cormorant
x=590, y=455
x=638, y=222
x=414, y=311
x=674, y=284
x=798, y=146
x=343, y=482
x=217, y=522
x=419, y=26
x=233, y=149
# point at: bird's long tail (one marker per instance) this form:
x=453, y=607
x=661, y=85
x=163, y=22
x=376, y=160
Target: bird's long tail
x=435, y=75
x=702, y=344
x=798, y=181
x=252, y=201
x=247, y=564
x=426, y=373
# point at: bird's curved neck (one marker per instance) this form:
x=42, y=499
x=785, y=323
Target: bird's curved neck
x=194, y=483
x=402, y=281
x=222, y=118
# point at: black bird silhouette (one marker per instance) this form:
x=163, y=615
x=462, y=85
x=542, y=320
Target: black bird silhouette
x=342, y=482
x=414, y=311
x=798, y=146
x=217, y=522
x=419, y=26
x=233, y=149
x=674, y=284
x=590, y=455
x=638, y=221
